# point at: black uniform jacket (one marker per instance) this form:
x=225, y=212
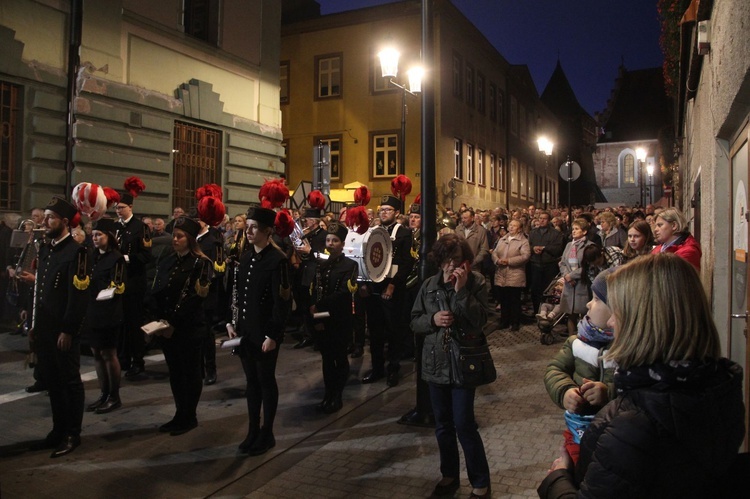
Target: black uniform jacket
x=263, y=295
x=317, y=240
x=131, y=239
x=335, y=280
x=174, y=297
x=60, y=306
x=106, y=313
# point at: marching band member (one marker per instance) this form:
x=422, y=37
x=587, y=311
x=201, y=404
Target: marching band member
x=261, y=303
x=182, y=282
x=335, y=281
x=60, y=303
x=104, y=313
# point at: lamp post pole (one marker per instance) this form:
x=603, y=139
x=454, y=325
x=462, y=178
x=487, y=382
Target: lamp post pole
x=545, y=146
x=402, y=149
x=640, y=154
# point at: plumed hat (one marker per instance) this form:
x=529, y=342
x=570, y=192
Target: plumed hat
x=188, y=225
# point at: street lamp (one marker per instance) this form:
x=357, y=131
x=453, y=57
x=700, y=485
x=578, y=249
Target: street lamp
x=640, y=153
x=545, y=146
x=650, y=171
x=389, y=69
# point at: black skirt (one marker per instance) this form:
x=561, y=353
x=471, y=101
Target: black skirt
x=102, y=338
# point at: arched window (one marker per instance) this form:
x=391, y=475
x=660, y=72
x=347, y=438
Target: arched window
x=628, y=169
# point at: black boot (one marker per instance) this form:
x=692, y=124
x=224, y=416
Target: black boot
x=263, y=443
x=335, y=404
x=252, y=435
x=326, y=400
x=113, y=402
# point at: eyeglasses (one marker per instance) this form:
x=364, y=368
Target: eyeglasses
x=118, y=207
x=387, y=210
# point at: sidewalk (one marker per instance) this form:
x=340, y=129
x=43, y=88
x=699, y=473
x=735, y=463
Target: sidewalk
x=360, y=451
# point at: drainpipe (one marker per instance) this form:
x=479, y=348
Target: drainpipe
x=74, y=61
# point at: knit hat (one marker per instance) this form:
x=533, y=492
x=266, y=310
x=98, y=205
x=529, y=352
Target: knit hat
x=599, y=286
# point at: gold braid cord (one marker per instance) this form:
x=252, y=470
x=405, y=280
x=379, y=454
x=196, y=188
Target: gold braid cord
x=81, y=278
x=117, y=281
x=203, y=283
x=146, y=237
x=220, y=265
x=351, y=284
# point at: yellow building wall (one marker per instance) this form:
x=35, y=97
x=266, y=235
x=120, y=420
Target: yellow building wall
x=41, y=28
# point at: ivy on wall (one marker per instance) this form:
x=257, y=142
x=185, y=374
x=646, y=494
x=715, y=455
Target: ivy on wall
x=670, y=14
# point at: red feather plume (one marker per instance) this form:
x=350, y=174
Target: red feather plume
x=357, y=219
x=362, y=195
x=134, y=186
x=316, y=200
x=273, y=193
x=76, y=221
x=401, y=186
x=113, y=197
x=211, y=210
x=209, y=190
x=284, y=223
x=418, y=199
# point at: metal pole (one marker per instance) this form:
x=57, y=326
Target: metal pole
x=74, y=61
x=569, y=164
x=546, y=181
x=428, y=166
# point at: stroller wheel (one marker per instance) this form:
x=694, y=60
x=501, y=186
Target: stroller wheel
x=547, y=338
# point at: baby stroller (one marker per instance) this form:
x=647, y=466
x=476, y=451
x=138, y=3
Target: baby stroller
x=549, y=314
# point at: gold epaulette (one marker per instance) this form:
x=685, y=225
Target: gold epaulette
x=81, y=278
x=352, y=286
x=220, y=265
x=117, y=278
x=146, y=237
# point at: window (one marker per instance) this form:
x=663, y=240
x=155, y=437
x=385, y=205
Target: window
x=384, y=155
x=470, y=163
x=469, y=84
x=328, y=76
x=200, y=19
x=284, y=82
x=493, y=177
x=10, y=127
x=492, y=102
x=522, y=184
x=196, y=161
x=480, y=93
x=458, y=171
x=628, y=169
x=513, y=115
x=501, y=108
x=501, y=185
x=458, y=65
x=334, y=143
x=532, y=184
x=513, y=177
x=522, y=125
x=480, y=167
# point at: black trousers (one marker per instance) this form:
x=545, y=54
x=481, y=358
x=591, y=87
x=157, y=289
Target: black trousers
x=183, y=356
x=132, y=345
x=262, y=389
x=387, y=324
x=61, y=373
x=510, y=301
x=332, y=342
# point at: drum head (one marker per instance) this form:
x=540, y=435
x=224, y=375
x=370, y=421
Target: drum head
x=378, y=253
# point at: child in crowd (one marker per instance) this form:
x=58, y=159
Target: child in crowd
x=578, y=379
x=549, y=311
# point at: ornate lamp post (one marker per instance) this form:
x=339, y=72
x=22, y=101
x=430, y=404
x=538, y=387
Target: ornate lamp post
x=389, y=68
x=545, y=146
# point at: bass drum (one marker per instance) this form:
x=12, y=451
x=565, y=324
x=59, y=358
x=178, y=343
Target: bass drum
x=373, y=252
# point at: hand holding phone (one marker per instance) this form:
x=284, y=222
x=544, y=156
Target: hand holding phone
x=460, y=275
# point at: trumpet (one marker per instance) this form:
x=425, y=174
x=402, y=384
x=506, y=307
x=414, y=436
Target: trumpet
x=297, y=235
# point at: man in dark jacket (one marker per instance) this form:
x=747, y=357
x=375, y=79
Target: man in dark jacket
x=60, y=305
x=210, y=240
x=547, y=245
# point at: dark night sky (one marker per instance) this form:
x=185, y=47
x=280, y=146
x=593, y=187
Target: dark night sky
x=590, y=37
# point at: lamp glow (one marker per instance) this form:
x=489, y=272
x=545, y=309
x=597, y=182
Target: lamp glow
x=389, y=62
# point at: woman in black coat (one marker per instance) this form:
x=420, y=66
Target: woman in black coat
x=104, y=313
x=181, y=283
x=678, y=419
x=260, y=307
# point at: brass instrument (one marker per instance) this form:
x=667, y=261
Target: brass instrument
x=29, y=241
x=297, y=235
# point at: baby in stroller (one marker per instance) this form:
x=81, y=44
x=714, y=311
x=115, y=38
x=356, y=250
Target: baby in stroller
x=549, y=311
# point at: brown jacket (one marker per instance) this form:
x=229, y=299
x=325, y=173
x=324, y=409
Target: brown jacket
x=517, y=252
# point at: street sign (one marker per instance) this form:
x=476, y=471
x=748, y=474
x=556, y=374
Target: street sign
x=573, y=174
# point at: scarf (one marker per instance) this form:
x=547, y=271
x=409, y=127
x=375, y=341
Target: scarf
x=593, y=335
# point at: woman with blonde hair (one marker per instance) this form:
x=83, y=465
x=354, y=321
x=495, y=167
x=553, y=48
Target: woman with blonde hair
x=678, y=419
x=672, y=233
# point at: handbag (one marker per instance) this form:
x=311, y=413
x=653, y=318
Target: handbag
x=471, y=366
